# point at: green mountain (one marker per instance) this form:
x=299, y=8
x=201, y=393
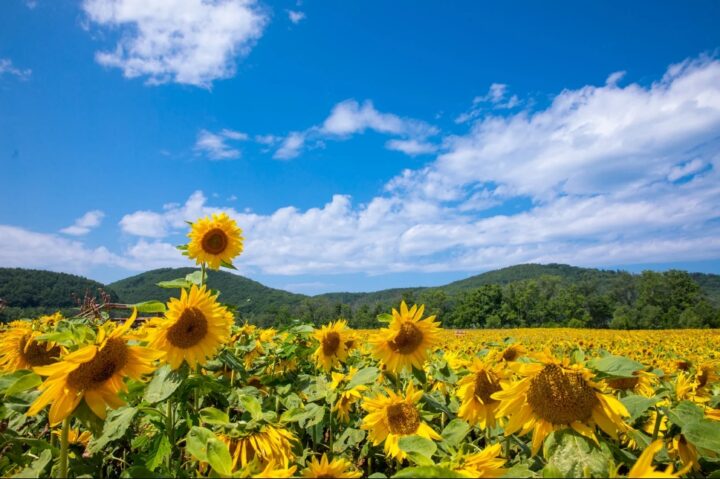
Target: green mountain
x=29, y=292
x=521, y=295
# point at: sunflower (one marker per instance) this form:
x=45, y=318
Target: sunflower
x=687, y=453
x=394, y=416
x=332, y=349
x=555, y=395
x=193, y=329
x=339, y=468
x=268, y=444
x=511, y=353
x=485, y=463
x=643, y=467
x=406, y=341
x=276, y=470
x=75, y=436
x=215, y=240
x=94, y=373
x=19, y=349
x=475, y=391
x=641, y=383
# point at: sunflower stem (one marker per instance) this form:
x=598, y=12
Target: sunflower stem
x=64, y=443
x=202, y=275
x=170, y=432
x=658, y=422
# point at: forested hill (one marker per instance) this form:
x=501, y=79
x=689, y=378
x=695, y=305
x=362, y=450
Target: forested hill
x=29, y=292
x=522, y=295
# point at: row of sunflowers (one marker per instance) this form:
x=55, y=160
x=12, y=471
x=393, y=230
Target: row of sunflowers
x=184, y=389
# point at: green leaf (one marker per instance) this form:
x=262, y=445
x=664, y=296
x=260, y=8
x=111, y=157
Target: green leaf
x=349, y=438
x=685, y=413
x=213, y=415
x=219, y=458
x=227, y=264
x=704, y=434
x=418, y=449
x=37, y=467
x=159, y=452
x=139, y=472
x=637, y=405
x=455, y=432
x=519, y=470
x=163, y=385
x=196, y=442
x=252, y=405
x=23, y=383
x=385, y=318
x=116, y=424
x=149, y=307
x=230, y=360
x=615, y=366
x=436, y=406
x=427, y=471
x=575, y=456
x=64, y=337
x=364, y=376
x=194, y=278
x=377, y=475
x=179, y=283
x=420, y=375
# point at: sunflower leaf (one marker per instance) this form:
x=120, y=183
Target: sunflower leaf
x=163, y=385
x=218, y=456
x=575, y=456
x=194, y=278
x=149, y=307
x=427, y=471
x=615, y=366
x=196, y=442
x=637, y=405
x=418, y=449
x=364, y=376
x=179, y=283
x=23, y=383
x=455, y=432
x=116, y=424
x=37, y=467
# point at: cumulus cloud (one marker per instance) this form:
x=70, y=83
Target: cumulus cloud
x=191, y=42
x=350, y=117
x=215, y=145
x=7, y=68
x=604, y=175
x=85, y=223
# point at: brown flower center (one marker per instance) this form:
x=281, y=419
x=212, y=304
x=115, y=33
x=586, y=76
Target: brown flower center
x=215, y=241
x=36, y=354
x=107, y=361
x=703, y=376
x=403, y=418
x=408, y=339
x=485, y=386
x=189, y=330
x=683, y=365
x=623, y=383
x=510, y=354
x=330, y=343
x=561, y=397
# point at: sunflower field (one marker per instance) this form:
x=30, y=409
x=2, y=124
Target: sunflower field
x=185, y=389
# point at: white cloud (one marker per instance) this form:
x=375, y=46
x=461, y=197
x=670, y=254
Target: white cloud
x=350, y=117
x=7, y=67
x=291, y=146
x=411, y=147
x=496, y=98
x=85, y=223
x=191, y=42
x=215, y=146
x=685, y=169
x=295, y=16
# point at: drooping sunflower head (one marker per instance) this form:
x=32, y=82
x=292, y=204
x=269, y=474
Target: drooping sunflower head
x=512, y=352
x=20, y=349
x=215, y=240
x=556, y=395
x=405, y=343
x=265, y=445
x=641, y=382
x=333, y=348
x=475, y=391
x=193, y=329
x=706, y=375
x=94, y=373
x=340, y=468
x=394, y=416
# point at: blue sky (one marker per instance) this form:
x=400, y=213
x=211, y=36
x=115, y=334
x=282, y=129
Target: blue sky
x=360, y=145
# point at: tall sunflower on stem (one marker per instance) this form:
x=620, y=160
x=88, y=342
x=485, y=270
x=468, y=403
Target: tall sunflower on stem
x=20, y=348
x=405, y=343
x=555, y=395
x=475, y=390
x=333, y=348
x=215, y=241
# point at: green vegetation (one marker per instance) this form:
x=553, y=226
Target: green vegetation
x=32, y=293
x=523, y=295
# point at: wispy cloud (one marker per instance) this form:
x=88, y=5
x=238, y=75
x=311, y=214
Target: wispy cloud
x=7, y=68
x=295, y=16
x=496, y=98
x=85, y=223
x=215, y=145
x=192, y=42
